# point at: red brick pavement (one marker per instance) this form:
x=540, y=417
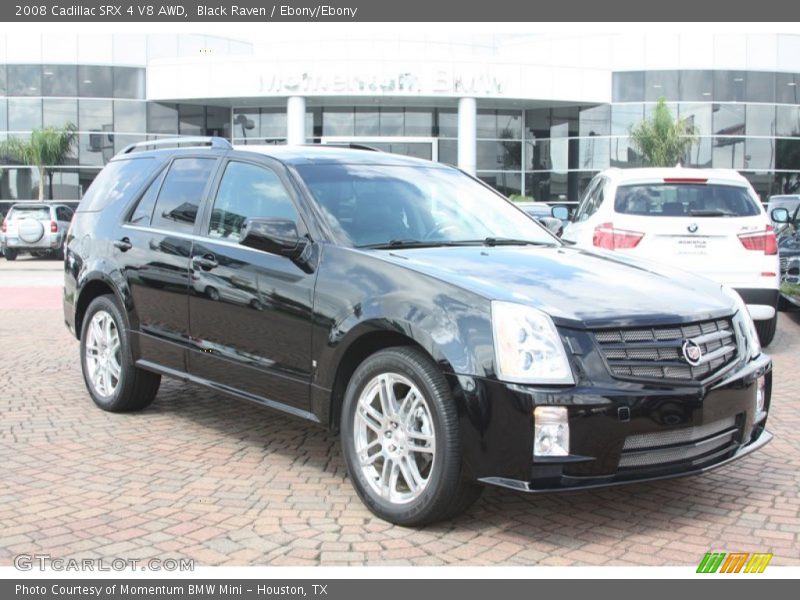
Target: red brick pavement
x=204, y=476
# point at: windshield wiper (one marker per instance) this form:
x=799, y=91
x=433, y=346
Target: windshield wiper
x=712, y=212
x=501, y=241
x=404, y=243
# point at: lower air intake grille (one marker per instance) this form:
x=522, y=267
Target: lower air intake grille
x=679, y=445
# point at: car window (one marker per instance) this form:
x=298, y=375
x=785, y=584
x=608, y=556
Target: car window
x=248, y=190
x=40, y=213
x=181, y=193
x=63, y=213
x=143, y=211
x=383, y=204
x=119, y=180
x=592, y=200
x=685, y=200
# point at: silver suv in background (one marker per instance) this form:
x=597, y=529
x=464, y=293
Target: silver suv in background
x=35, y=228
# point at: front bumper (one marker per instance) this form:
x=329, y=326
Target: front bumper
x=625, y=432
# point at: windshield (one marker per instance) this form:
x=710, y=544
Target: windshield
x=381, y=205
x=685, y=200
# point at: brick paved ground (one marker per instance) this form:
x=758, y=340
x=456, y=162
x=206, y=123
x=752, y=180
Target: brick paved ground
x=203, y=476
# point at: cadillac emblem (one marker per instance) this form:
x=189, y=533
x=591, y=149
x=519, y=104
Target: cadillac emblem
x=692, y=352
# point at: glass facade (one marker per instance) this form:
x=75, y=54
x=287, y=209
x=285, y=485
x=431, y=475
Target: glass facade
x=746, y=120
x=107, y=106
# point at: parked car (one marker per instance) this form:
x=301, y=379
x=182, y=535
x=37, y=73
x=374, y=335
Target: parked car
x=706, y=221
x=543, y=213
x=789, y=253
x=788, y=201
x=35, y=228
x=449, y=341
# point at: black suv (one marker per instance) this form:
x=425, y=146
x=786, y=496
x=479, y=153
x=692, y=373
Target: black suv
x=450, y=339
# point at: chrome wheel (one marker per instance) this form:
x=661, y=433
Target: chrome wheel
x=103, y=354
x=395, y=442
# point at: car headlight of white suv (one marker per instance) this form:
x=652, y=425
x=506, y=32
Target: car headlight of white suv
x=527, y=346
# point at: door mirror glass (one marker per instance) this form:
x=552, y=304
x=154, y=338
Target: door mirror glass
x=560, y=212
x=780, y=215
x=276, y=236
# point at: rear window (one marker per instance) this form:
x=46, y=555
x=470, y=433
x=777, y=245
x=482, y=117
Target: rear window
x=684, y=200
x=40, y=213
x=119, y=180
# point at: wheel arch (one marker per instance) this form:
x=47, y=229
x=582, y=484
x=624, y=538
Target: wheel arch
x=366, y=340
x=94, y=287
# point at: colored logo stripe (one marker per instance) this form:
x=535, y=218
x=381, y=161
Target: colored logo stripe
x=735, y=562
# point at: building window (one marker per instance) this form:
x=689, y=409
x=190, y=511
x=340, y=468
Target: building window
x=129, y=83
x=162, y=118
x=60, y=80
x=24, y=114
x=95, y=81
x=24, y=80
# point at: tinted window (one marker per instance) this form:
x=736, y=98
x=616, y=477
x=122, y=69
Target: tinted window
x=248, y=191
x=182, y=192
x=128, y=82
x=60, y=80
x=119, y=180
x=24, y=80
x=375, y=204
x=57, y=113
x=95, y=81
x=144, y=208
x=685, y=200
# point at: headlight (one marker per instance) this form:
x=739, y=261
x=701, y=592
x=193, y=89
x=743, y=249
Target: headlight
x=527, y=347
x=753, y=343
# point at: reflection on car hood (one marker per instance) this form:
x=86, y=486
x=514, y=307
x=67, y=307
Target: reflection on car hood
x=574, y=286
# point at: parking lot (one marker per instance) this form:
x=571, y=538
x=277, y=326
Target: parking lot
x=203, y=476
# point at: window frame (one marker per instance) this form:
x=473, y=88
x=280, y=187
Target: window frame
x=203, y=221
x=203, y=201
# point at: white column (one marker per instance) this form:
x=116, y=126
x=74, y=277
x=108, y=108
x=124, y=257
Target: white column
x=467, y=134
x=296, y=120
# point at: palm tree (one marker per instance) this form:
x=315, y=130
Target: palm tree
x=48, y=146
x=661, y=140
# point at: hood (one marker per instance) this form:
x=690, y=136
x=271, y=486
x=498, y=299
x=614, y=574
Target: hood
x=575, y=287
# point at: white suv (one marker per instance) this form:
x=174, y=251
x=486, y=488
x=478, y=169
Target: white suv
x=707, y=221
x=36, y=228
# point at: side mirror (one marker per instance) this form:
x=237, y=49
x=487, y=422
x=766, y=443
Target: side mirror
x=276, y=236
x=560, y=212
x=779, y=215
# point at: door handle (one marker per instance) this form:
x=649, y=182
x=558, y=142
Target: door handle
x=206, y=262
x=124, y=244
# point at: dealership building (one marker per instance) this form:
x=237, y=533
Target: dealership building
x=535, y=115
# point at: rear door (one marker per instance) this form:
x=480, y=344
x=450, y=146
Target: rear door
x=154, y=248
x=713, y=229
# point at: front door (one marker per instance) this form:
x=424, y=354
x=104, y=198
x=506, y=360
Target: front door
x=250, y=311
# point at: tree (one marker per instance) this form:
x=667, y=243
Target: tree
x=48, y=146
x=661, y=140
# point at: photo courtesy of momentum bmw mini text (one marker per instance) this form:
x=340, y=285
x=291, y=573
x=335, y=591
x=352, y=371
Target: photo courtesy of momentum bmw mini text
x=354, y=298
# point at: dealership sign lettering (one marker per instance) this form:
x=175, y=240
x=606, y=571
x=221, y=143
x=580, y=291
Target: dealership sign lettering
x=441, y=82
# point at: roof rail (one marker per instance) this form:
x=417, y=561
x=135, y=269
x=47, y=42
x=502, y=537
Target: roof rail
x=214, y=142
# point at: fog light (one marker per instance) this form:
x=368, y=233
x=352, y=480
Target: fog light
x=550, y=431
x=761, y=395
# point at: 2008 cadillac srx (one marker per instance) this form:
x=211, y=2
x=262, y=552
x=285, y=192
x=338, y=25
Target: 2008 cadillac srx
x=449, y=339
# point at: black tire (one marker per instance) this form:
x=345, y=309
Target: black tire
x=58, y=254
x=10, y=254
x=212, y=293
x=446, y=492
x=136, y=388
x=766, y=330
